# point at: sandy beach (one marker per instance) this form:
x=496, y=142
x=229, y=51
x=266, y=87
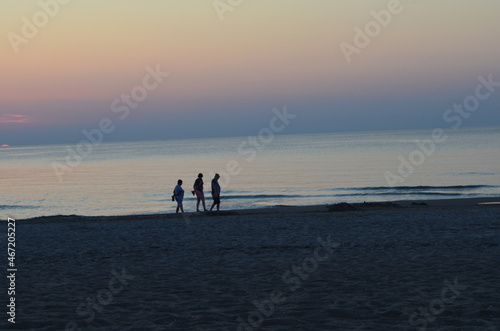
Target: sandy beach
x=407, y=265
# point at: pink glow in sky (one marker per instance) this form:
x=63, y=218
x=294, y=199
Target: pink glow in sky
x=264, y=54
x=12, y=118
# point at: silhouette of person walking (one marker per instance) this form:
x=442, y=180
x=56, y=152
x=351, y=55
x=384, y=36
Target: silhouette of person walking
x=215, y=192
x=179, y=196
x=198, y=189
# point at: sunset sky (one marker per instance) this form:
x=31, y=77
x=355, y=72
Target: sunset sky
x=226, y=76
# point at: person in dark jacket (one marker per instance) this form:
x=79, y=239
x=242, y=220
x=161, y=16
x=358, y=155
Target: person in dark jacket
x=215, y=192
x=198, y=190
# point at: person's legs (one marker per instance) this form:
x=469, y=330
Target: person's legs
x=216, y=203
x=198, y=199
x=201, y=197
x=203, y=201
x=179, y=205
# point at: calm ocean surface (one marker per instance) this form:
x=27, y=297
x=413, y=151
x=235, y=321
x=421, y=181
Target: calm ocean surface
x=138, y=177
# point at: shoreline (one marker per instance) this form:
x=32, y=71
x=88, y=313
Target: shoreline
x=284, y=209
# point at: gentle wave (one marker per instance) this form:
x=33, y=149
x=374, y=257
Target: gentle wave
x=360, y=192
x=17, y=207
x=416, y=188
x=292, y=170
x=263, y=196
x=401, y=194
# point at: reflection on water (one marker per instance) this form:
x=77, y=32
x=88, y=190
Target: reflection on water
x=138, y=177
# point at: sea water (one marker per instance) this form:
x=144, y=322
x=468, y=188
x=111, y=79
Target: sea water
x=139, y=177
